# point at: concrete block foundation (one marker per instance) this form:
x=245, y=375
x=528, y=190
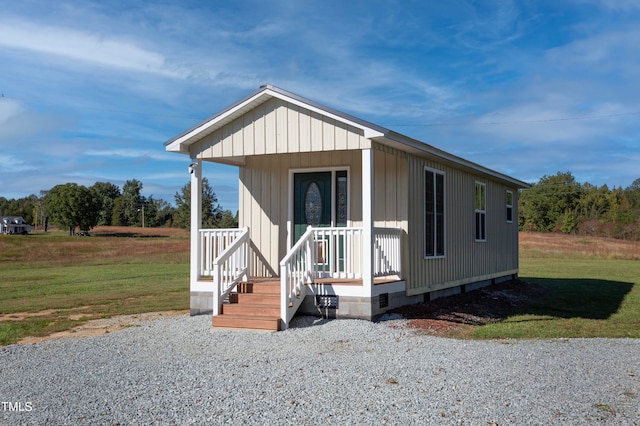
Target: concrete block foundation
x=201, y=303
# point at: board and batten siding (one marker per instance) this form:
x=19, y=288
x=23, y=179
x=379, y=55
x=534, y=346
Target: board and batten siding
x=264, y=200
x=465, y=260
x=279, y=127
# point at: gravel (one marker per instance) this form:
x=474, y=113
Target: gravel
x=178, y=370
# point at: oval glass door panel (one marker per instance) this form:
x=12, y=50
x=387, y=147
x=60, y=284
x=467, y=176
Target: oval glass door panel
x=313, y=204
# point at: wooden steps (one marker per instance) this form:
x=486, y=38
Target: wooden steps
x=256, y=307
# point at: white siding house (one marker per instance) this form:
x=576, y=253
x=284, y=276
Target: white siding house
x=13, y=225
x=341, y=217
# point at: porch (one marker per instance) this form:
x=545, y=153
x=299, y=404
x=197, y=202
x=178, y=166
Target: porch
x=335, y=257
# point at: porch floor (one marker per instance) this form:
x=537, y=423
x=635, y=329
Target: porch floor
x=334, y=281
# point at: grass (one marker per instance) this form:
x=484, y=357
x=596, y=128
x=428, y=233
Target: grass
x=592, y=292
x=52, y=282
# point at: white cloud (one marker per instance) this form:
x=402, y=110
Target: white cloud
x=11, y=163
x=135, y=153
x=83, y=46
x=615, y=5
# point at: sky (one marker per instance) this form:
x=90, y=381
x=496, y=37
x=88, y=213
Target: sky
x=92, y=90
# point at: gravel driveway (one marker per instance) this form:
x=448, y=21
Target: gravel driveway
x=178, y=370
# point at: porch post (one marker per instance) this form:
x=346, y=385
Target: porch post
x=195, y=168
x=367, y=222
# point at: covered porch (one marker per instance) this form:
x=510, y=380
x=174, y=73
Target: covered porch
x=322, y=206
x=324, y=257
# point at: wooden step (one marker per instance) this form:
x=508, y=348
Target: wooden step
x=259, y=298
x=249, y=309
x=244, y=321
x=269, y=287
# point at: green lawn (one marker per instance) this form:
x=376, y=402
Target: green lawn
x=586, y=297
x=70, y=280
x=63, y=281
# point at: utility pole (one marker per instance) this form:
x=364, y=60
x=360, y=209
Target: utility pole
x=142, y=210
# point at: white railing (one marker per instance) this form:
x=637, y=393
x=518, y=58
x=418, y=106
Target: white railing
x=387, y=252
x=211, y=243
x=338, y=252
x=296, y=271
x=334, y=252
x=229, y=267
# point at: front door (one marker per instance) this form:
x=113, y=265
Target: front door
x=320, y=199
x=311, y=201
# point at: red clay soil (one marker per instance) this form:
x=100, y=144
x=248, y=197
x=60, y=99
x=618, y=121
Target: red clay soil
x=452, y=316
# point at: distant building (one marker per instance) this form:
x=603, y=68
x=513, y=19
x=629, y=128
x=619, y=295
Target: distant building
x=13, y=225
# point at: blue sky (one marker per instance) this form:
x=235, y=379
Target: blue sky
x=91, y=91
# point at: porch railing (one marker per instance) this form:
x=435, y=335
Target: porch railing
x=334, y=252
x=296, y=271
x=387, y=252
x=229, y=267
x=211, y=243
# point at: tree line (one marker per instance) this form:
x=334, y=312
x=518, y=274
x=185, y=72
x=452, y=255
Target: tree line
x=71, y=206
x=559, y=203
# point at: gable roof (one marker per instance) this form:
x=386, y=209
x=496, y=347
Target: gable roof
x=371, y=131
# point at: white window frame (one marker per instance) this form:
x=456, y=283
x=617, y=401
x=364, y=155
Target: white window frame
x=436, y=235
x=480, y=215
x=509, y=205
x=334, y=181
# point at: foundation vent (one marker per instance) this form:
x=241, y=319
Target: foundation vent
x=327, y=301
x=384, y=300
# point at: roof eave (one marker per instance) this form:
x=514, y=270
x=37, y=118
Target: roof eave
x=182, y=142
x=423, y=148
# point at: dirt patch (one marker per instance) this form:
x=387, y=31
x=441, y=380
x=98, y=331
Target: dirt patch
x=19, y=316
x=454, y=315
x=103, y=326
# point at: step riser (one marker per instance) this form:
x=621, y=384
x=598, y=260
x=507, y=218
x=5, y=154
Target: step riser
x=228, y=321
x=240, y=309
x=259, y=299
x=263, y=288
x=256, y=305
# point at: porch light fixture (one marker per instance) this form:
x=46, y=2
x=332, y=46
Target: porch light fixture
x=192, y=167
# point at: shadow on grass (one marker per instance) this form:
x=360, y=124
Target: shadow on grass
x=579, y=298
x=541, y=297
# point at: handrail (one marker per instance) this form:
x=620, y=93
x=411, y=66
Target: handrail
x=211, y=243
x=295, y=272
x=229, y=268
x=334, y=252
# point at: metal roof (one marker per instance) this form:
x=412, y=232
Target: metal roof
x=372, y=131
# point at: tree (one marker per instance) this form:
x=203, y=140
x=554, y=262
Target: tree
x=117, y=213
x=550, y=204
x=211, y=211
x=132, y=202
x=23, y=207
x=105, y=193
x=632, y=192
x=228, y=220
x=158, y=212
x=72, y=206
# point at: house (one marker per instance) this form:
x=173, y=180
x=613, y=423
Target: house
x=13, y=225
x=339, y=216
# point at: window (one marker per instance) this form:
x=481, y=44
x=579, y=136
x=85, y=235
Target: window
x=433, y=213
x=481, y=212
x=509, y=206
x=341, y=198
